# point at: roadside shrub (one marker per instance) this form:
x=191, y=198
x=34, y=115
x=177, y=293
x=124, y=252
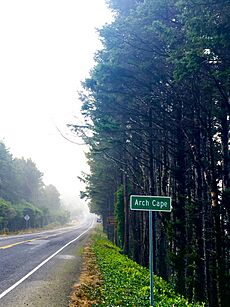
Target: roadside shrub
x=125, y=283
x=7, y=213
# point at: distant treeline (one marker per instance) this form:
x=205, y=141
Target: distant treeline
x=157, y=110
x=23, y=192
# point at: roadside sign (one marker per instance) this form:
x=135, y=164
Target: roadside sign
x=26, y=217
x=111, y=220
x=150, y=203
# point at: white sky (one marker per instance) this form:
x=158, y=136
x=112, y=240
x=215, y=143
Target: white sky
x=46, y=49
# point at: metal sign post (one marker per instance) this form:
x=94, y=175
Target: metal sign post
x=151, y=257
x=27, y=218
x=151, y=203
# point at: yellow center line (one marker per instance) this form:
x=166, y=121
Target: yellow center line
x=21, y=242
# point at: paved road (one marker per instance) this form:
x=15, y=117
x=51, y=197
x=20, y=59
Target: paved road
x=39, y=269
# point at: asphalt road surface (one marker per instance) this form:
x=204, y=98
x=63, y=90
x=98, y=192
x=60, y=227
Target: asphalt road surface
x=39, y=269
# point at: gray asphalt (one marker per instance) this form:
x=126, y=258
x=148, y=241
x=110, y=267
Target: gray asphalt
x=50, y=285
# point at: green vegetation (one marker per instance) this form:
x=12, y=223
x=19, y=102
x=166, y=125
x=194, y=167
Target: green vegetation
x=120, y=216
x=157, y=115
x=126, y=283
x=22, y=192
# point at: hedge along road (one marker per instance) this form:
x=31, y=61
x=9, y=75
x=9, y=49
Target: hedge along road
x=39, y=269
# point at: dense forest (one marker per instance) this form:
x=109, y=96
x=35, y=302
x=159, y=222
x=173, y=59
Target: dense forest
x=157, y=111
x=23, y=193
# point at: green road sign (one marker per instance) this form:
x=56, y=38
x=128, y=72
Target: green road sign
x=150, y=203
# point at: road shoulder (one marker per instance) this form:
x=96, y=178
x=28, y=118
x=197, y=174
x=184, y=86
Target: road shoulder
x=86, y=292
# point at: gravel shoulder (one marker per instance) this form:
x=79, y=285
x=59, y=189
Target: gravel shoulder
x=87, y=291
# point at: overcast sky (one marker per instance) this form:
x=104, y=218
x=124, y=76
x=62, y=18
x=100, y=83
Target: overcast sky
x=46, y=49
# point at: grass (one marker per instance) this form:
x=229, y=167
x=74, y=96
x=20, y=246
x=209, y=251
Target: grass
x=125, y=283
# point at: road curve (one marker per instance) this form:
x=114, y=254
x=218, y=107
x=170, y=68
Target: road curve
x=38, y=269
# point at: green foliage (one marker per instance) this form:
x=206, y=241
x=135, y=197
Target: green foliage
x=50, y=197
x=7, y=213
x=120, y=215
x=100, y=188
x=157, y=102
x=125, y=283
x=28, y=180
x=23, y=192
x=7, y=174
x=22, y=209
x=123, y=6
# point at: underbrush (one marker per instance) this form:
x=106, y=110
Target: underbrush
x=125, y=283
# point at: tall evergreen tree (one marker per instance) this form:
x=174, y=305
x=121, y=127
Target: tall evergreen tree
x=158, y=106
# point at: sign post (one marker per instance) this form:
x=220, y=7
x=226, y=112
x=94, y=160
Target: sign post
x=151, y=257
x=151, y=203
x=27, y=218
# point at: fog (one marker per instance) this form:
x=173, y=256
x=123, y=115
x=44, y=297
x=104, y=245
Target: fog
x=47, y=48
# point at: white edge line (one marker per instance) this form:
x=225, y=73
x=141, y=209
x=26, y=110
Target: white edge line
x=41, y=264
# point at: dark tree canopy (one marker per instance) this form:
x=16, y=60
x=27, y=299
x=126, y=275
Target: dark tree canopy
x=157, y=111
